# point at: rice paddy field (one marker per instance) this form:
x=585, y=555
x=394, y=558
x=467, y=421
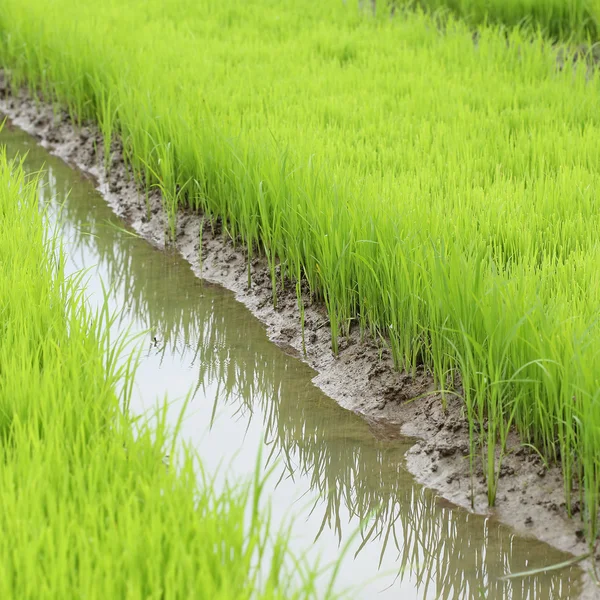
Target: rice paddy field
x=436, y=189
x=336, y=489
x=89, y=507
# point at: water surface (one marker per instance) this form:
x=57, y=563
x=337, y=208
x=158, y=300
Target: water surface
x=333, y=469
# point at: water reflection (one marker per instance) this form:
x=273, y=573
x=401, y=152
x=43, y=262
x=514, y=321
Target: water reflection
x=347, y=470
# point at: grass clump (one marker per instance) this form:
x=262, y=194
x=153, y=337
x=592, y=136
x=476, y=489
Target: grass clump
x=436, y=193
x=559, y=19
x=88, y=508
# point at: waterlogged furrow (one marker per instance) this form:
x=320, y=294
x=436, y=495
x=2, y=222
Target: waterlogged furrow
x=438, y=192
x=88, y=508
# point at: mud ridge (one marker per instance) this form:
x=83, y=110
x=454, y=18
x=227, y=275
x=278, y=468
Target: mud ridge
x=362, y=378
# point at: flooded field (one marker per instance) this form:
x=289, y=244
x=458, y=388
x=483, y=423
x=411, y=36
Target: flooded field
x=333, y=469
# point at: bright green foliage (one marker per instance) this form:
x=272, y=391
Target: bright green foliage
x=88, y=508
x=564, y=19
x=442, y=194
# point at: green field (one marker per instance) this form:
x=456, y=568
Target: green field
x=437, y=193
x=89, y=509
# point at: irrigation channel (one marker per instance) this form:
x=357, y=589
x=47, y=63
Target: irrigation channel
x=333, y=469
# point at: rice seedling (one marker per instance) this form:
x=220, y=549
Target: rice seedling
x=88, y=507
x=440, y=194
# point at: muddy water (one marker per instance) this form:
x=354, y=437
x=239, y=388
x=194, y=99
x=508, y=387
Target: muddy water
x=333, y=469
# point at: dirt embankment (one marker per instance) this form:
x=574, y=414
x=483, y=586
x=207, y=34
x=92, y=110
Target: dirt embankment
x=362, y=378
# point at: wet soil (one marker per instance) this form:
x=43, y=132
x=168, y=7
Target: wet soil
x=362, y=378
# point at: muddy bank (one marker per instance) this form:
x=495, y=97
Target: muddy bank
x=361, y=378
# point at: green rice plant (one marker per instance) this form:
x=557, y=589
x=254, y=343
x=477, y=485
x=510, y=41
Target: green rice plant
x=106, y=123
x=438, y=193
x=88, y=507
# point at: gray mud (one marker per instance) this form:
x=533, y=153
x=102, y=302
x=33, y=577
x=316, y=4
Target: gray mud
x=362, y=378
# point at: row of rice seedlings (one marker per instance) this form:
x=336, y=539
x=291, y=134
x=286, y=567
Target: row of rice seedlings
x=438, y=193
x=88, y=507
